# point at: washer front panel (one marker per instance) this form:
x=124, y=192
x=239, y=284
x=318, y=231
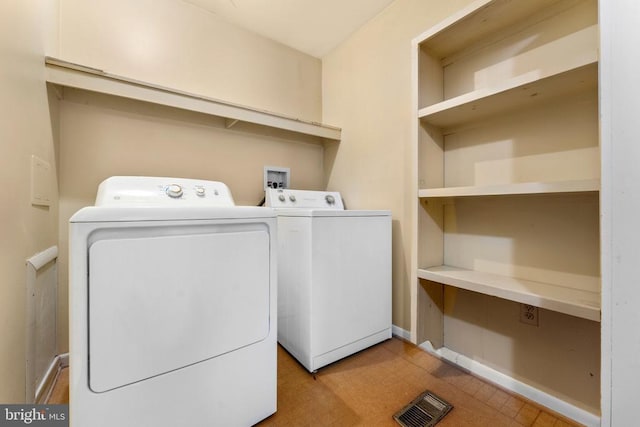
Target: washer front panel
x=161, y=303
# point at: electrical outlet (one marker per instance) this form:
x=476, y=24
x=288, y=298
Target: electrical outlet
x=529, y=314
x=275, y=177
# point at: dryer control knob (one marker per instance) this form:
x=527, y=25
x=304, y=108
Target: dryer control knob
x=292, y=198
x=174, y=190
x=330, y=199
x=200, y=191
x=281, y=198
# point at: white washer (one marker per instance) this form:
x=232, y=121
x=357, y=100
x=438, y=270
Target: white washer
x=334, y=276
x=172, y=307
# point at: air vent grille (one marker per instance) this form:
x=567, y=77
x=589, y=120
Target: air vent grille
x=424, y=411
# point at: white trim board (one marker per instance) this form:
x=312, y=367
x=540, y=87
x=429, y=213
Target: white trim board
x=48, y=382
x=40, y=283
x=506, y=382
x=400, y=333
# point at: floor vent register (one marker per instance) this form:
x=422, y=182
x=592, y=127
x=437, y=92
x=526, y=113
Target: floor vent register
x=424, y=411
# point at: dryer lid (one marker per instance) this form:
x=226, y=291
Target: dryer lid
x=128, y=214
x=144, y=198
x=131, y=191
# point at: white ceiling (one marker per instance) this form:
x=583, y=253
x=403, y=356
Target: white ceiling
x=311, y=26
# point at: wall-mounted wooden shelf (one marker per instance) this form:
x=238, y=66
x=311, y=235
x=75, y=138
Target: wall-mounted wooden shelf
x=576, y=186
x=513, y=93
x=478, y=22
x=570, y=301
x=67, y=74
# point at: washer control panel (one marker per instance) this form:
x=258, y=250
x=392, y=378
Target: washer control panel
x=160, y=191
x=303, y=199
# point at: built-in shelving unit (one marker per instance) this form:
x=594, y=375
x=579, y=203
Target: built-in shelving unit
x=507, y=189
x=66, y=74
x=506, y=105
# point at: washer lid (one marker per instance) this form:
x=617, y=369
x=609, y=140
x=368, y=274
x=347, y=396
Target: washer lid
x=303, y=199
x=288, y=212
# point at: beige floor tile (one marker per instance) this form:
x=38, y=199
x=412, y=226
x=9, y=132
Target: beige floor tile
x=485, y=393
x=473, y=385
x=498, y=399
x=527, y=415
x=545, y=420
x=562, y=423
x=512, y=406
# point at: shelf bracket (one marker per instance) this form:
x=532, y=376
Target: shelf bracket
x=229, y=123
x=58, y=90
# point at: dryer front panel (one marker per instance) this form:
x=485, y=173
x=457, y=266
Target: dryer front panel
x=161, y=303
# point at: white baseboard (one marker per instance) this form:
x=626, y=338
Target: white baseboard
x=401, y=333
x=45, y=387
x=506, y=382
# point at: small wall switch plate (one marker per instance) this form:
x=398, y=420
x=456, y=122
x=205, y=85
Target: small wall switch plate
x=529, y=314
x=276, y=177
x=40, y=182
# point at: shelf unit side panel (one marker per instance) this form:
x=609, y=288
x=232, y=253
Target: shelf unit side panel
x=548, y=143
x=549, y=239
x=430, y=157
x=431, y=233
x=430, y=79
x=430, y=295
x=430, y=322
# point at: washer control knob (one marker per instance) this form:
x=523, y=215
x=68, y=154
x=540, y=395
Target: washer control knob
x=200, y=191
x=292, y=197
x=330, y=199
x=174, y=190
x=281, y=198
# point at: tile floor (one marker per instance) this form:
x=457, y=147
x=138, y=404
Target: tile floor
x=367, y=388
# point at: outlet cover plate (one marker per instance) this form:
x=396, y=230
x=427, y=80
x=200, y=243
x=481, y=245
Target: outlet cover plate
x=529, y=314
x=276, y=177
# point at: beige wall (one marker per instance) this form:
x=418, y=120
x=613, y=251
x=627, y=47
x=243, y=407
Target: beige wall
x=175, y=44
x=367, y=91
x=28, y=27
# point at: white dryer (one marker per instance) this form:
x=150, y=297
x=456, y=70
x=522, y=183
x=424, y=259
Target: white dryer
x=172, y=307
x=334, y=276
